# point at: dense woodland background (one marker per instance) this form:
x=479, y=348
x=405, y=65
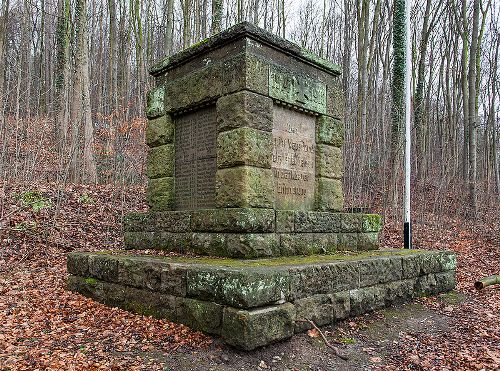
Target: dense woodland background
x=74, y=73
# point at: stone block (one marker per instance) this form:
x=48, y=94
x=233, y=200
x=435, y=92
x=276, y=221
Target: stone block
x=257, y=75
x=169, y=221
x=200, y=315
x=447, y=261
x=350, y=222
x=445, y=281
x=167, y=241
x=250, y=329
x=236, y=245
x=425, y=285
x=367, y=299
x=244, y=186
x=379, y=270
x=341, y=305
x=316, y=308
x=329, y=196
x=368, y=241
x=160, y=131
x=398, y=292
x=307, y=243
x=77, y=264
x=345, y=276
x=103, y=267
x=206, y=84
x=233, y=220
x=161, y=161
x=155, y=106
x=141, y=273
x=318, y=222
x=160, y=193
x=173, y=280
x=241, y=288
x=335, y=101
x=245, y=109
x=285, y=221
x=329, y=131
x=244, y=146
x=329, y=161
x=347, y=241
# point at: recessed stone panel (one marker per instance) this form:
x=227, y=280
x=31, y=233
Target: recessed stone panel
x=195, y=159
x=293, y=162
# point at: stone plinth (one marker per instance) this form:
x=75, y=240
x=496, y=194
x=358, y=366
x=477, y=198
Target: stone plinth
x=251, y=303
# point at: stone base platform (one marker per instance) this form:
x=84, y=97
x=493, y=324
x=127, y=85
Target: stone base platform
x=251, y=303
x=252, y=232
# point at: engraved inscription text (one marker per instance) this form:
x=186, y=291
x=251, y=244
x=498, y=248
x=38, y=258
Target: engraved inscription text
x=293, y=164
x=195, y=159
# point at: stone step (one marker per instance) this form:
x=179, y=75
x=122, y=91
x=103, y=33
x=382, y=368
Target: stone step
x=250, y=303
x=252, y=233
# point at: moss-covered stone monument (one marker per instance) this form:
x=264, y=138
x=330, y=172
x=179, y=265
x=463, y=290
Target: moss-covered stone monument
x=245, y=166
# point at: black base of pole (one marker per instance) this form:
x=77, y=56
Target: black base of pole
x=407, y=235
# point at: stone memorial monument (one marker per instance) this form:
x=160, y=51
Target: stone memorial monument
x=245, y=166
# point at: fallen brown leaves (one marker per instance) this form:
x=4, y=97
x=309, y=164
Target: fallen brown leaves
x=45, y=326
x=473, y=341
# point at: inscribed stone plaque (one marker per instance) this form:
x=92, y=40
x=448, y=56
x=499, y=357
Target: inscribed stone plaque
x=293, y=159
x=195, y=159
x=299, y=90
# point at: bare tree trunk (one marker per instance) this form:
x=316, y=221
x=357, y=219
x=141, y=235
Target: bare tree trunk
x=216, y=16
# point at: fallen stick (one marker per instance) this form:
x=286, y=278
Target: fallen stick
x=487, y=281
x=327, y=343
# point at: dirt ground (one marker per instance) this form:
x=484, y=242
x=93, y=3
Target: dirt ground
x=43, y=326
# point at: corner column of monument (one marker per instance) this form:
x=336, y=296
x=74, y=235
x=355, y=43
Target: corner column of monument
x=244, y=151
x=161, y=155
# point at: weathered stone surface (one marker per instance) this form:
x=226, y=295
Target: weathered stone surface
x=329, y=161
x=368, y=241
x=314, y=221
x=160, y=161
x=398, y=292
x=168, y=241
x=447, y=260
x=348, y=241
x=168, y=221
x=257, y=73
x=316, y=308
x=424, y=263
x=350, y=222
x=103, y=267
x=141, y=273
x=307, y=243
x=160, y=131
x=206, y=84
x=173, y=279
x=244, y=146
x=77, y=264
x=249, y=329
x=335, y=100
x=241, y=288
x=285, y=221
x=233, y=220
x=445, y=281
x=323, y=279
x=160, y=193
x=297, y=89
x=143, y=302
x=155, y=105
x=329, y=131
x=367, y=299
x=244, y=186
x=200, y=315
x=245, y=109
x=329, y=194
x=425, y=284
x=322, y=309
x=236, y=245
x=380, y=270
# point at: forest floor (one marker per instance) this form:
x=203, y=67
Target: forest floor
x=45, y=326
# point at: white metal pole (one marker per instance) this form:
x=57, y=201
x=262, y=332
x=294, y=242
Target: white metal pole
x=407, y=220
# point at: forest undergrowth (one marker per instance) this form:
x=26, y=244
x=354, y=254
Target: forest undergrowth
x=43, y=325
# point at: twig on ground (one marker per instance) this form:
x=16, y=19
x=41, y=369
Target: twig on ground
x=327, y=343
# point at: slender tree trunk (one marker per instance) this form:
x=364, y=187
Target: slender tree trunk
x=216, y=16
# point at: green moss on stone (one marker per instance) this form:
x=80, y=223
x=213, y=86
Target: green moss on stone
x=91, y=281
